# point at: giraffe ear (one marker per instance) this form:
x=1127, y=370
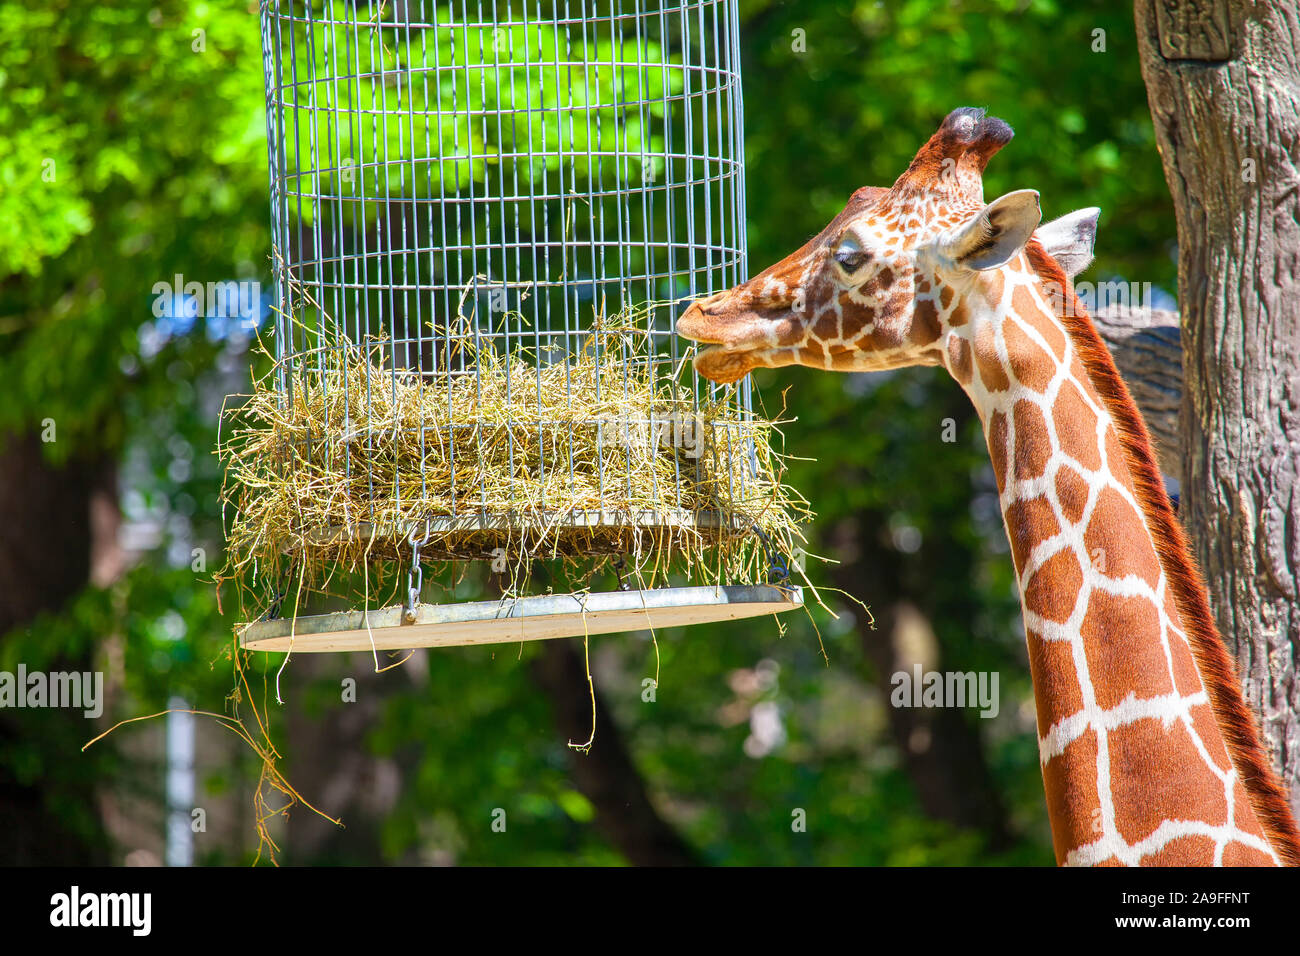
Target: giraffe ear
x=996, y=233
x=1069, y=240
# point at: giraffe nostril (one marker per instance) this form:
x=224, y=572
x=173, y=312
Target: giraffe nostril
x=693, y=323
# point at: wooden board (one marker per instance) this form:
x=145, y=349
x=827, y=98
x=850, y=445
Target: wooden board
x=518, y=619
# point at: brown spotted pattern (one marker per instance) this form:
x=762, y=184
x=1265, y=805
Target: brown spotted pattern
x=1134, y=764
x=1135, y=767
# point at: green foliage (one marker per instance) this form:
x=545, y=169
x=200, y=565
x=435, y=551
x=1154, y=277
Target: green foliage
x=877, y=78
x=132, y=157
x=555, y=100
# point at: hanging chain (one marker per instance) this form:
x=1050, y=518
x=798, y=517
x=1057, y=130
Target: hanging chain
x=273, y=611
x=619, y=567
x=415, y=575
x=778, y=572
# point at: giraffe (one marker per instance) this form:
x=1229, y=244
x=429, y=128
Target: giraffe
x=1147, y=751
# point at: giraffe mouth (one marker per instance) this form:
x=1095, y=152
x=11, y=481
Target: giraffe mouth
x=723, y=364
x=730, y=340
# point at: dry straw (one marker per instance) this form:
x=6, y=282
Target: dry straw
x=338, y=463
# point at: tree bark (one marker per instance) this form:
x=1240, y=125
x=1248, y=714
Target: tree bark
x=1148, y=352
x=1223, y=83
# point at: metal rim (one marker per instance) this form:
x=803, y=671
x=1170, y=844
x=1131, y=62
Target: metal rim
x=540, y=617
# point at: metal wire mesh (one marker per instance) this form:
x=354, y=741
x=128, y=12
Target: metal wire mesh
x=459, y=176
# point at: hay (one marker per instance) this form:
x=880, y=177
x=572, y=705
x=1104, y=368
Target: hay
x=340, y=460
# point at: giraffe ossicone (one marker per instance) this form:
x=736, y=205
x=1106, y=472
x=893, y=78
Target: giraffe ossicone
x=1148, y=753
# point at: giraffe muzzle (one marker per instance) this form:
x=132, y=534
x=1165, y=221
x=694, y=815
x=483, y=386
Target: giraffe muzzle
x=700, y=324
x=732, y=325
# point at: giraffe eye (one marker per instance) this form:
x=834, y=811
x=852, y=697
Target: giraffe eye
x=851, y=258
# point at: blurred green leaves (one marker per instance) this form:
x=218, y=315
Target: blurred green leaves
x=127, y=157
x=474, y=99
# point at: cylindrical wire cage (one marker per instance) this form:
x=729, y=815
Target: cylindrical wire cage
x=486, y=217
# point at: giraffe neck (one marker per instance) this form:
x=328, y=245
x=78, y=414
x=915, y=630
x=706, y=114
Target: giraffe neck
x=1134, y=762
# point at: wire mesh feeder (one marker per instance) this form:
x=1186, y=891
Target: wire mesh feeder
x=486, y=217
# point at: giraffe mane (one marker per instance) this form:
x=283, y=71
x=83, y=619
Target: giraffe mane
x=1267, y=796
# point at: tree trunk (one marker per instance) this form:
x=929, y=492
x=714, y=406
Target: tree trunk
x=1223, y=82
x=331, y=764
x=1146, y=346
x=942, y=753
x=606, y=775
x=46, y=544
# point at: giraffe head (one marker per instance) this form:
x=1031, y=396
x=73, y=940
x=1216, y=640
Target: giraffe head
x=877, y=287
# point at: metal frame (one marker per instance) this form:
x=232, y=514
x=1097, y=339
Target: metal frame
x=445, y=172
x=549, y=154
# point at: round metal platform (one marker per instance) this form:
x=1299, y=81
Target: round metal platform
x=518, y=619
